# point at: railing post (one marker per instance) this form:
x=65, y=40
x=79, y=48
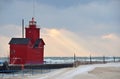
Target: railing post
x=103, y=59
x=90, y=59
x=114, y=59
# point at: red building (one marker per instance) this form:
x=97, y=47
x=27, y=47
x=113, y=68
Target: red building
x=28, y=50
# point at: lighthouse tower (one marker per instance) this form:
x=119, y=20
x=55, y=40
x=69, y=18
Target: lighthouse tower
x=28, y=50
x=32, y=31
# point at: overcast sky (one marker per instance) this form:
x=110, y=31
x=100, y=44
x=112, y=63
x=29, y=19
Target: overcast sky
x=83, y=27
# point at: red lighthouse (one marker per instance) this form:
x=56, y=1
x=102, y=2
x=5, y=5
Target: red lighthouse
x=28, y=50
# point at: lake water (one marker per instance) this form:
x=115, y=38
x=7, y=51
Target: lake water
x=55, y=60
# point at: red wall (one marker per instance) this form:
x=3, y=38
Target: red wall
x=18, y=54
x=35, y=56
x=32, y=33
x=26, y=54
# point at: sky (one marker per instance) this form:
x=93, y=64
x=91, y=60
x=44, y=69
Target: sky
x=83, y=27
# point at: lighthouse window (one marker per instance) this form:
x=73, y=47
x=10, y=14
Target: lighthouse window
x=32, y=23
x=41, y=47
x=29, y=31
x=12, y=51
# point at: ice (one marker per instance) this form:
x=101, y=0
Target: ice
x=70, y=73
x=85, y=69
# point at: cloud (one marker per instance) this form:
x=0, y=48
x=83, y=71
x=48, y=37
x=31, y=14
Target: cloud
x=107, y=45
x=85, y=18
x=61, y=42
x=11, y=30
x=65, y=43
x=88, y=19
x=4, y=48
x=110, y=37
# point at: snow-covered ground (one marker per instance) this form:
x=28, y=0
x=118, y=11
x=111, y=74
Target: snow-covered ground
x=71, y=73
